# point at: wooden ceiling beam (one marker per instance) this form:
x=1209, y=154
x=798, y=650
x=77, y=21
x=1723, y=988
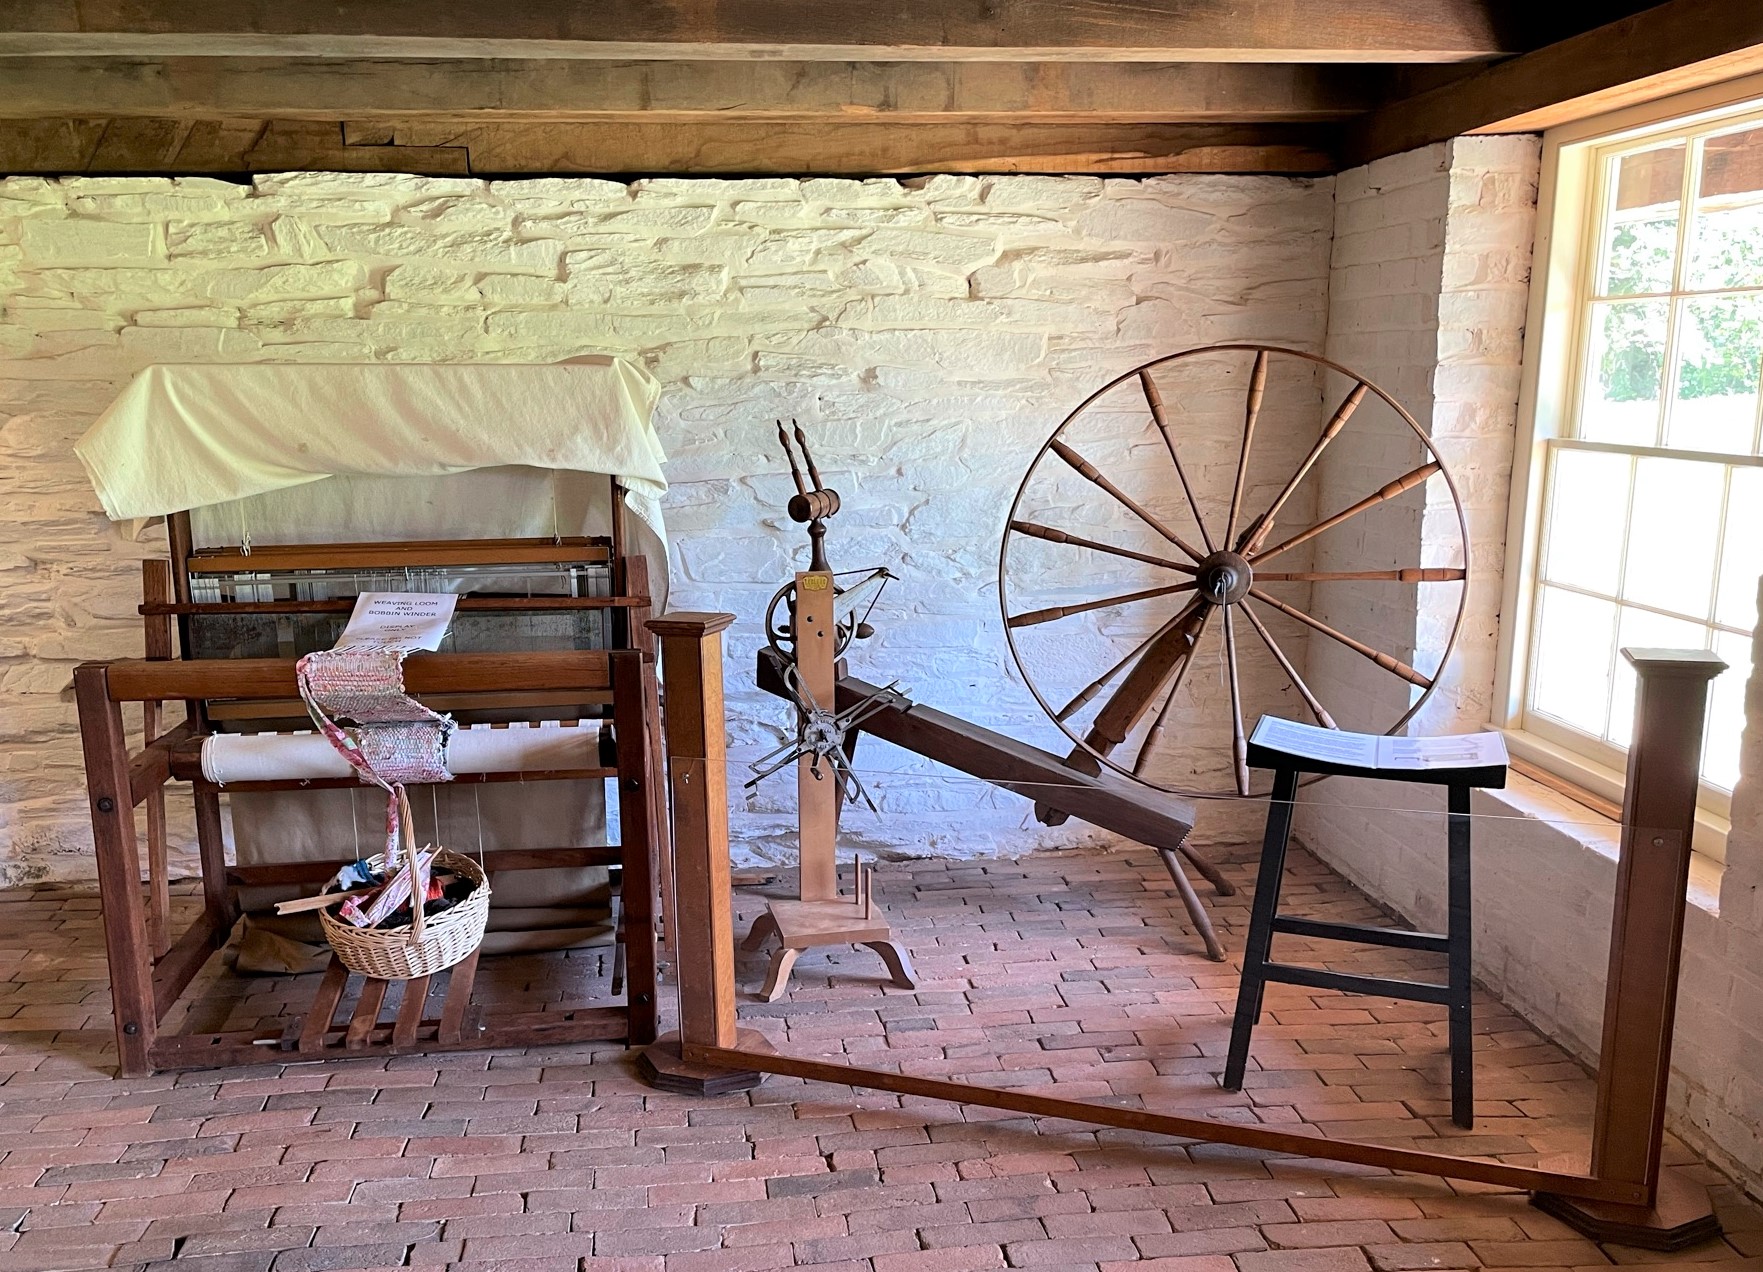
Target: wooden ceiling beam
x=887, y=30
x=661, y=92
x=1669, y=48
x=727, y=147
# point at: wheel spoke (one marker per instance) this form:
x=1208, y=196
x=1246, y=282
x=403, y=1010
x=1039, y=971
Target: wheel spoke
x=1090, y=472
x=1257, y=533
x=1052, y=612
x=1239, y=742
x=1316, y=708
x=1394, y=666
x=1089, y=691
x=1414, y=574
x=1400, y=486
x=1154, y=400
x=1257, y=390
x=1037, y=531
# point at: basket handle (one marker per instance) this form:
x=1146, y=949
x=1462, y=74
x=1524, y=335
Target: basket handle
x=418, y=887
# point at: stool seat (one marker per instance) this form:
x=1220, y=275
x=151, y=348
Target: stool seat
x=1265, y=919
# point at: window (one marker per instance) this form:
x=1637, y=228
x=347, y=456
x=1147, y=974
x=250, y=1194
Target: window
x=1643, y=494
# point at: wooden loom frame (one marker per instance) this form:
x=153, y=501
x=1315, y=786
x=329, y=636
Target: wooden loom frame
x=145, y=983
x=137, y=932
x=168, y=605
x=1622, y=1197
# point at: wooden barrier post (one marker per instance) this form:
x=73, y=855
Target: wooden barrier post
x=697, y=760
x=1646, y=945
x=110, y=793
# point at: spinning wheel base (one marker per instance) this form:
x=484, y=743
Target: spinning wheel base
x=804, y=925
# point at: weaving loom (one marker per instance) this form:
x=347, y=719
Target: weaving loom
x=340, y=480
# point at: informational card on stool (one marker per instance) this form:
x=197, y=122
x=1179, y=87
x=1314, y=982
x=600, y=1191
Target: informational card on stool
x=1378, y=751
x=399, y=620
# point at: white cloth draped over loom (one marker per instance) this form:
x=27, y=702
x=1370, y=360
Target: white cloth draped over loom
x=186, y=437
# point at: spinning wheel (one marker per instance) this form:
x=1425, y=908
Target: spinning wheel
x=1196, y=608
x=854, y=591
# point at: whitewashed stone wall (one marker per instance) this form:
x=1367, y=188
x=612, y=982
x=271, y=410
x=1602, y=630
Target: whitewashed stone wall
x=1719, y=1080
x=928, y=335
x=1428, y=289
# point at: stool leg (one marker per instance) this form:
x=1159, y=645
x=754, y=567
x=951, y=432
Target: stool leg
x=1462, y=1023
x=1260, y=942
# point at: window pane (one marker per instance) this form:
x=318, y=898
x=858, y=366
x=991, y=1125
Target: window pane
x=1726, y=233
x=1588, y=507
x=1719, y=346
x=1726, y=712
x=1673, y=533
x=1573, y=659
x=1640, y=242
x=1623, y=370
x=1640, y=630
x=1741, y=559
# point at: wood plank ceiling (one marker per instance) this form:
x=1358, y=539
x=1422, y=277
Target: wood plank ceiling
x=849, y=87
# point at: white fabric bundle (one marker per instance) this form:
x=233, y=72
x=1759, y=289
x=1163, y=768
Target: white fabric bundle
x=304, y=756
x=181, y=437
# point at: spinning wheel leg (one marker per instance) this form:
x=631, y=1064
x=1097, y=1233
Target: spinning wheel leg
x=777, y=976
x=763, y=929
x=1211, y=873
x=899, y=962
x=1191, y=900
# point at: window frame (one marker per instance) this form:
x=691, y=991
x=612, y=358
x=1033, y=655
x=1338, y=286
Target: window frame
x=1564, y=263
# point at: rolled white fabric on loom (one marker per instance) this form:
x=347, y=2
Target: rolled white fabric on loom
x=479, y=748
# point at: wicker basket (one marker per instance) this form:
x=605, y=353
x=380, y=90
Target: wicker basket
x=406, y=953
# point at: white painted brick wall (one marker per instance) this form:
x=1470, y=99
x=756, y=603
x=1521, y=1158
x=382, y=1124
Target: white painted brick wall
x=929, y=335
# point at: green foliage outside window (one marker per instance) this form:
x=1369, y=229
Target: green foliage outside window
x=1722, y=342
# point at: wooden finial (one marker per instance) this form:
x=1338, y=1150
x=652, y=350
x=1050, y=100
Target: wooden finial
x=784, y=440
x=807, y=458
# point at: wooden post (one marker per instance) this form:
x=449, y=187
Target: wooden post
x=637, y=840
x=817, y=794
x=636, y=583
x=1646, y=946
x=156, y=586
x=691, y=661
x=119, y=868
x=181, y=542
x=219, y=897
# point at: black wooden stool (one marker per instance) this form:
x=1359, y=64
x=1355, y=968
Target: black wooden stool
x=1265, y=919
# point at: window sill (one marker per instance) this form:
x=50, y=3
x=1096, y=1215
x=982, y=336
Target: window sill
x=1600, y=834
x=1601, y=787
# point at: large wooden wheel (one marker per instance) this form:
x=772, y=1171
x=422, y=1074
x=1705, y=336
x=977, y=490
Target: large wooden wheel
x=1168, y=570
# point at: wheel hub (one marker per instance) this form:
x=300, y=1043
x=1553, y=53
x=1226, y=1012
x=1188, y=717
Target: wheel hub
x=1224, y=577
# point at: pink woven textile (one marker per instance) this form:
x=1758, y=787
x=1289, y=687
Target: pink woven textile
x=400, y=751
x=393, y=739
x=360, y=683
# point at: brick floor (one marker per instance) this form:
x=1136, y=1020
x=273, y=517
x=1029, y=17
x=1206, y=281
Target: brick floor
x=1071, y=970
